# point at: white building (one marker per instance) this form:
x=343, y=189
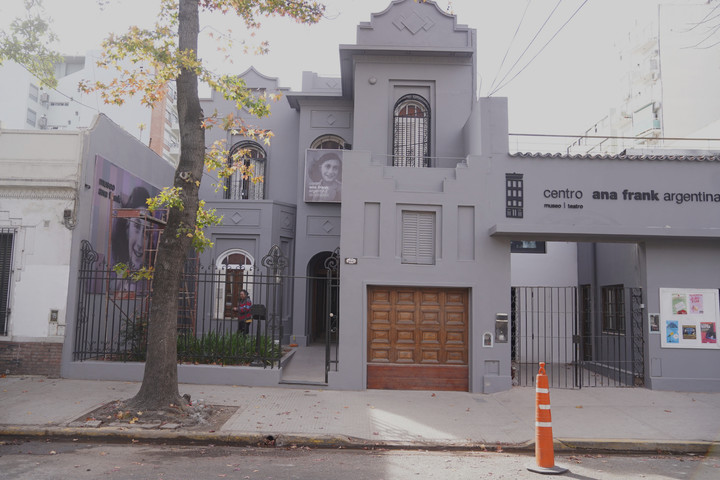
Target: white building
x=47, y=191
x=669, y=80
x=29, y=105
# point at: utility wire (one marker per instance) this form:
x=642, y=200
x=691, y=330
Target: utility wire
x=541, y=49
x=527, y=5
x=553, y=135
x=528, y=46
x=61, y=93
x=707, y=37
x=705, y=19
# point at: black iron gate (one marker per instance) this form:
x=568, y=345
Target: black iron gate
x=583, y=343
x=332, y=307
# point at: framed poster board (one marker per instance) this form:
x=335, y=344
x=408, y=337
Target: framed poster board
x=689, y=318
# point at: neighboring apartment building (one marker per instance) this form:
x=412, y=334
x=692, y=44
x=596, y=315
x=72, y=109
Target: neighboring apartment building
x=29, y=105
x=667, y=85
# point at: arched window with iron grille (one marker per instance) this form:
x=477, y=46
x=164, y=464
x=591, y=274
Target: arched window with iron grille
x=242, y=187
x=329, y=142
x=411, y=132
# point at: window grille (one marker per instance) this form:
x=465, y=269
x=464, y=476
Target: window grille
x=6, y=249
x=613, y=309
x=411, y=132
x=329, y=142
x=242, y=187
x=234, y=273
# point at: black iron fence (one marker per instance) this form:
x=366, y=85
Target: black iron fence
x=113, y=314
x=583, y=342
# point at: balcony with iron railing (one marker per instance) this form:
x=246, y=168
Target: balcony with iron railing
x=417, y=161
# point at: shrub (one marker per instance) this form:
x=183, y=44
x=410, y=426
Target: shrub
x=226, y=349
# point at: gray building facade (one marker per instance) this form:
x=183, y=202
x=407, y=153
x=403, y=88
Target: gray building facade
x=401, y=175
x=431, y=198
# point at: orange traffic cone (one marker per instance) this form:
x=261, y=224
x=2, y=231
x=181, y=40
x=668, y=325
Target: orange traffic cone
x=544, y=453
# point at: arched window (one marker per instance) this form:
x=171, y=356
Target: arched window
x=253, y=157
x=234, y=273
x=411, y=132
x=329, y=142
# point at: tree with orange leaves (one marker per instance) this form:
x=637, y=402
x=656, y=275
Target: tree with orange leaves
x=165, y=53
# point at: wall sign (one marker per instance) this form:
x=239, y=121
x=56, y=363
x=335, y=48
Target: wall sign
x=569, y=198
x=689, y=318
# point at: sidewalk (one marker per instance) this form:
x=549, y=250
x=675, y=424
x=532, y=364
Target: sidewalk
x=624, y=419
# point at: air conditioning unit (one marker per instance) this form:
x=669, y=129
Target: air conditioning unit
x=42, y=122
x=44, y=97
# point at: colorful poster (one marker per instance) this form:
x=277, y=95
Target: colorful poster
x=696, y=303
x=654, y=323
x=679, y=304
x=671, y=332
x=689, y=317
x=708, y=333
x=689, y=332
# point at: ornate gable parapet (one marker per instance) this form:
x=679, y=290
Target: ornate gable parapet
x=256, y=80
x=415, y=24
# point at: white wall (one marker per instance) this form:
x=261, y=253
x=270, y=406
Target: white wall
x=556, y=268
x=39, y=181
x=14, y=96
x=689, y=70
x=42, y=262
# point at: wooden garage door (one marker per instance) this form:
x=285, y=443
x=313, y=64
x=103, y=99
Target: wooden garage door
x=417, y=338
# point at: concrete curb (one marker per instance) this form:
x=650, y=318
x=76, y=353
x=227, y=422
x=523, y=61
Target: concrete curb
x=637, y=446
x=184, y=437
x=129, y=434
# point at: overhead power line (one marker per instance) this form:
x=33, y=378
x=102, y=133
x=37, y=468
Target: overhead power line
x=540, y=51
x=527, y=47
x=615, y=137
x=512, y=40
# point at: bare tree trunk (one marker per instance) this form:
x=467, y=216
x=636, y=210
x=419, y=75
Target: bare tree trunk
x=160, y=381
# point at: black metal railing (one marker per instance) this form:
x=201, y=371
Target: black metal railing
x=556, y=326
x=332, y=310
x=113, y=314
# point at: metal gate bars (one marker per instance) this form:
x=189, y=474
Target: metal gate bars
x=113, y=314
x=583, y=343
x=332, y=308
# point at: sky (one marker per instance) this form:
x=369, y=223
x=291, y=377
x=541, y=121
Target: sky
x=571, y=82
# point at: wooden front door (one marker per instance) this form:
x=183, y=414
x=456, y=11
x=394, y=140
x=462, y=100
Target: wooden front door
x=417, y=338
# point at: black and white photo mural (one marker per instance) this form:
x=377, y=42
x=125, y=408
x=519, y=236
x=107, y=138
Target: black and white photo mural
x=323, y=175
